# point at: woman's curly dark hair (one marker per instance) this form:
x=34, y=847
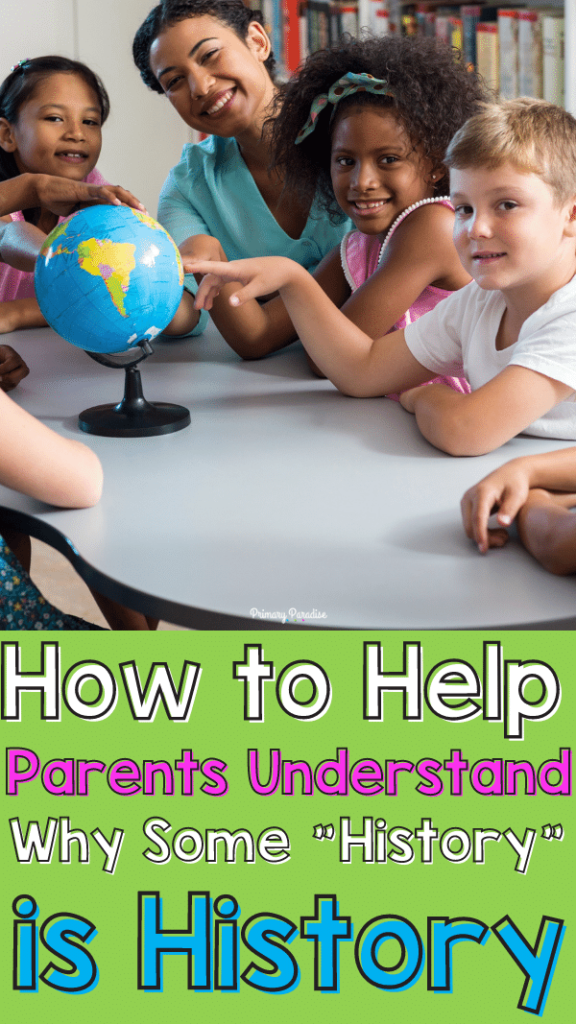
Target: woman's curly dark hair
x=434, y=94
x=233, y=13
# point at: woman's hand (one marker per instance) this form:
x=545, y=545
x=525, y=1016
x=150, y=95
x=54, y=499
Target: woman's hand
x=203, y=248
x=13, y=369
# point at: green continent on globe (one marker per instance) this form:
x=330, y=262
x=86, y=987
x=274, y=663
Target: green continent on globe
x=59, y=230
x=145, y=218
x=111, y=261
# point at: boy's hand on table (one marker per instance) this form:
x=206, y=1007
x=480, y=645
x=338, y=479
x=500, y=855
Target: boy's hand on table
x=13, y=369
x=503, y=492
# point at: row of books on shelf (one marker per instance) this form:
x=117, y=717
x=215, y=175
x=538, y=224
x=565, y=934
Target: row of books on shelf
x=518, y=50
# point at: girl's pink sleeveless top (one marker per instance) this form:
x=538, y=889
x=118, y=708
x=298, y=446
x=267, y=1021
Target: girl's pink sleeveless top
x=361, y=257
x=19, y=284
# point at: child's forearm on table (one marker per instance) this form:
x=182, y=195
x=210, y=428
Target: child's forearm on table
x=474, y=424
x=441, y=414
x=354, y=362
x=19, y=314
x=185, y=318
x=556, y=471
x=252, y=330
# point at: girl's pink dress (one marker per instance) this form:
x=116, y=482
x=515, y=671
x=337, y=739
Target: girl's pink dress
x=361, y=257
x=19, y=284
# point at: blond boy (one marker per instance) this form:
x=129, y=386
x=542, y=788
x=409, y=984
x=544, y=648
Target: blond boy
x=513, y=185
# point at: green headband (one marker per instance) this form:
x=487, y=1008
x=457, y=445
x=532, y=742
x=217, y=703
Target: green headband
x=345, y=86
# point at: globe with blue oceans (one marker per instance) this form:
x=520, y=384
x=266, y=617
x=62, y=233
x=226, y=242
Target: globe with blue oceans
x=108, y=277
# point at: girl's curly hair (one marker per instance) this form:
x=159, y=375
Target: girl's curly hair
x=434, y=94
x=233, y=13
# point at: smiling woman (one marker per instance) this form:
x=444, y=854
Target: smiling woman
x=213, y=61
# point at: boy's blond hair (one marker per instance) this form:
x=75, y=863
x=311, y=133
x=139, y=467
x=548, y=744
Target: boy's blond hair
x=535, y=136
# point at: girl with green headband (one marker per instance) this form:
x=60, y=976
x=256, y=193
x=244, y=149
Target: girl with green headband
x=363, y=127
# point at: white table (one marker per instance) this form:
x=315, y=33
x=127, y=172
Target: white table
x=282, y=494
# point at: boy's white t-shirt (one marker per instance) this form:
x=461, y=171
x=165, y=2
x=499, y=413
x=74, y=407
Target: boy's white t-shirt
x=462, y=329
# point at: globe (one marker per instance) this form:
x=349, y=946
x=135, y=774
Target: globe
x=108, y=277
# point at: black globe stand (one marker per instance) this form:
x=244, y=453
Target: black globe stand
x=133, y=416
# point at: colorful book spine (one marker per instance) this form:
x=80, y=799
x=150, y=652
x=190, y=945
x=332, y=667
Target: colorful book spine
x=318, y=25
x=442, y=28
x=508, y=52
x=471, y=15
x=456, y=33
x=364, y=14
x=394, y=16
x=530, y=53
x=349, y=18
x=378, y=17
x=291, y=27
x=487, y=55
x=303, y=31
x=382, y=27
x=273, y=12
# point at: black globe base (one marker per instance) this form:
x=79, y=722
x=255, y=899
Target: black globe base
x=134, y=416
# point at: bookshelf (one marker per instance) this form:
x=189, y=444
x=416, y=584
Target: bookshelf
x=300, y=26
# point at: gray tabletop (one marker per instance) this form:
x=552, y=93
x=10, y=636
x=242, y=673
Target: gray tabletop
x=282, y=497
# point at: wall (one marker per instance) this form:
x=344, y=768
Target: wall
x=143, y=137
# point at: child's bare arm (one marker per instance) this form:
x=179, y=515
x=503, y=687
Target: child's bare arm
x=185, y=318
x=196, y=247
x=19, y=314
x=254, y=330
x=493, y=414
x=59, y=195
x=36, y=461
x=20, y=244
x=421, y=252
x=354, y=362
x=505, y=491
x=547, y=528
